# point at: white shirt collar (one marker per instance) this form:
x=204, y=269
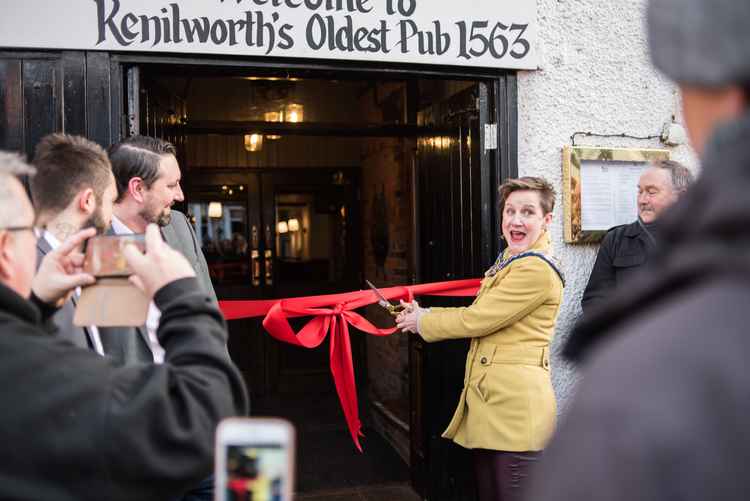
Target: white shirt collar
x=51, y=240
x=119, y=227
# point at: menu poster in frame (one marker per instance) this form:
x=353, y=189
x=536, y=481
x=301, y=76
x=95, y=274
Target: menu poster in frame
x=600, y=189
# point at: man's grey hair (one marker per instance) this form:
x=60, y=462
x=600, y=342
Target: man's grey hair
x=681, y=176
x=12, y=167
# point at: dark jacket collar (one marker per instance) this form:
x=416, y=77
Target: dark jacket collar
x=633, y=230
x=703, y=236
x=13, y=304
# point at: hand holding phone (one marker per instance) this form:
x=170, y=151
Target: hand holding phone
x=254, y=460
x=60, y=271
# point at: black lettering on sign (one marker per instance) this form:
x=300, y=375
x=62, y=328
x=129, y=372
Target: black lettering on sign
x=473, y=41
x=404, y=7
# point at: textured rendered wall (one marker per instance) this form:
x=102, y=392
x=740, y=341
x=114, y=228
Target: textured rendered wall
x=594, y=75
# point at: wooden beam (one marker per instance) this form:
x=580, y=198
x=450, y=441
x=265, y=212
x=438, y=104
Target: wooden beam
x=313, y=129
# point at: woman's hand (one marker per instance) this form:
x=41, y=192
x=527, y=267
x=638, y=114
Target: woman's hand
x=408, y=319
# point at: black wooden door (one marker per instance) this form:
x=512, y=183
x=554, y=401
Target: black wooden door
x=75, y=92
x=275, y=265
x=452, y=213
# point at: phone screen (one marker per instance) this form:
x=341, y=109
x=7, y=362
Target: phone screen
x=256, y=472
x=104, y=256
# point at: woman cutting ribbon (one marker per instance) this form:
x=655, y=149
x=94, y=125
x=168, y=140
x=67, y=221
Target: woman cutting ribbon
x=507, y=409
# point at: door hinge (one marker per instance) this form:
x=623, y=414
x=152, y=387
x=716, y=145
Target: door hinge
x=490, y=137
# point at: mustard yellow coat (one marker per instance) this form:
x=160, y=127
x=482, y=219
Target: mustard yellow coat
x=507, y=402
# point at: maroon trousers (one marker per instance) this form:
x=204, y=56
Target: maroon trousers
x=501, y=476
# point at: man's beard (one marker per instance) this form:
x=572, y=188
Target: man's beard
x=97, y=222
x=160, y=218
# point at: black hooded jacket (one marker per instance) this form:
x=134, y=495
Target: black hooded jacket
x=77, y=426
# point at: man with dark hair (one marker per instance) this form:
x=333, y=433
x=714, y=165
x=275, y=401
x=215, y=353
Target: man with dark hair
x=661, y=408
x=148, y=183
x=74, y=189
x=77, y=426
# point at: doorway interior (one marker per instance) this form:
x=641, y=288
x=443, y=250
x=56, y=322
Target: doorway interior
x=307, y=181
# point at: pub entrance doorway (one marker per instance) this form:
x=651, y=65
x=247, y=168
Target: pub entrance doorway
x=307, y=182
x=384, y=172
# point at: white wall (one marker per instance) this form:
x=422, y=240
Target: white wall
x=595, y=75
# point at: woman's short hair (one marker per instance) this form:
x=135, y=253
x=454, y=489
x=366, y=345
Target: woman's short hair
x=529, y=183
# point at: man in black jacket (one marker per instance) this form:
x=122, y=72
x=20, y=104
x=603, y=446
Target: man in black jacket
x=626, y=248
x=75, y=425
x=661, y=410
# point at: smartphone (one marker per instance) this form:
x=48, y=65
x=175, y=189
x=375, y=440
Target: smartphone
x=254, y=460
x=103, y=255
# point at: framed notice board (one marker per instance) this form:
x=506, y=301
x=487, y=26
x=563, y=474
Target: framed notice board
x=600, y=188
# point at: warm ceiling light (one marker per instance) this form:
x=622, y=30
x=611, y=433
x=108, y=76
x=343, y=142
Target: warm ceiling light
x=293, y=225
x=294, y=113
x=253, y=142
x=215, y=210
x=282, y=227
x=273, y=116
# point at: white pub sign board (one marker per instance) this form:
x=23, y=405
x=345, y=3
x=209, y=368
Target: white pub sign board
x=478, y=33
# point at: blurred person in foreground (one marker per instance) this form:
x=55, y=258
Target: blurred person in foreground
x=660, y=412
x=507, y=408
x=73, y=189
x=76, y=426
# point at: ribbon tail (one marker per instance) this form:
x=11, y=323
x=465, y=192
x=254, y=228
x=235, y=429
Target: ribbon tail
x=342, y=370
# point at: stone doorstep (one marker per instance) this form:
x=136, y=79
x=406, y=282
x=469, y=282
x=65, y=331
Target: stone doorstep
x=379, y=492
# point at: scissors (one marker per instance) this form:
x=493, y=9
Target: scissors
x=383, y=302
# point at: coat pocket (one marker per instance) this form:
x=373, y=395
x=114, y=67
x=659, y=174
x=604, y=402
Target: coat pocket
x=480, y=388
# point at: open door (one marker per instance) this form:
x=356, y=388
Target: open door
x=452, y=212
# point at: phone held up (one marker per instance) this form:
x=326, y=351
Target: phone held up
x=104, y=254
x=254, y=460
x=112, y=301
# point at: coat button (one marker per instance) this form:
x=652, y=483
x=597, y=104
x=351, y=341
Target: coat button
x=483, y=360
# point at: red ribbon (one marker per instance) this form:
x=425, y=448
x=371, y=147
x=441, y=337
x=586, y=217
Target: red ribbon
x=333, y=314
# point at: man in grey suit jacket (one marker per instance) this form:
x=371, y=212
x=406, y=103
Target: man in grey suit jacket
x=148, y=184
x=74, y=188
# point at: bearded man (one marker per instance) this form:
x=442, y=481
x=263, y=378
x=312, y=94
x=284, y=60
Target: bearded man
x=74, y=190
x=148, y=185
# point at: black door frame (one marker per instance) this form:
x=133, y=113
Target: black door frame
x=497, y=103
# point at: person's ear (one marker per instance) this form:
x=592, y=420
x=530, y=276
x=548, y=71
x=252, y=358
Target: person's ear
x=6, y=256
x=87, y=201
x=547, y=220
x=136, y=189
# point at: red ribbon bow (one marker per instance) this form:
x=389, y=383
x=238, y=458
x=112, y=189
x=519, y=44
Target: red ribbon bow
x=334, y=313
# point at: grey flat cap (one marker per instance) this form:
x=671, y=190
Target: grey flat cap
x=701, y=42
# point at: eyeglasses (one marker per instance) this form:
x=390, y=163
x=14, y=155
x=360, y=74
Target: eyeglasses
x=36, y=230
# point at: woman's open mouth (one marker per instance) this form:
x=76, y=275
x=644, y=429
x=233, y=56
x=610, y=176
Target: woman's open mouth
x=517, y=236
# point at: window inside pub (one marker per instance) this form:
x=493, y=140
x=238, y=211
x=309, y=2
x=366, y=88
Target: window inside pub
x=220, y=225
